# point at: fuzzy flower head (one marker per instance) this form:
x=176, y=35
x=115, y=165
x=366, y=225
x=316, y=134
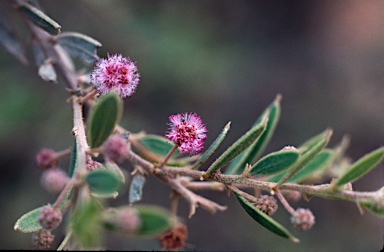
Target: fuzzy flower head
x=187, y=131
x=117, y=74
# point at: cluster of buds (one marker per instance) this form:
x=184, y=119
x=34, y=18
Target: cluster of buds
x=42, y=239
x=302, y=219
x=266, y=204
x=50, y=218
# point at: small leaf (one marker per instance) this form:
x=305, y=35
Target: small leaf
x=102, y=181
x=275, y=162
x=9, y=41
x=87, y=225
x=29, y=222
x=136, y=188
x=103, y=119
x=272, y=112
x=239, y=146
x=310, y=152
x=154, y=220
x=157, y=144
x=72, y=166
x=361, y=166
x=212, y=148
x=40, y=19
x=80, y=46
x=320, y=162
x=264, y=219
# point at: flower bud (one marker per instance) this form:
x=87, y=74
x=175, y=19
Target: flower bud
x=116, y=148
x=174, y=238
x=266, y=204
x=302, y=219
x=92, y=165
x=49, y=218
x=54, y=180
x=42, y=239
x=46, y=159
x=128, y=220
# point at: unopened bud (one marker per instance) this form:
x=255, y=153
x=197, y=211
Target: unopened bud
x=116, y=148
x=128, y=220
x=266, y=204
x=302, y=219
x=46, y=159
x=54, y=180
x=42, y=239
x=49, y=218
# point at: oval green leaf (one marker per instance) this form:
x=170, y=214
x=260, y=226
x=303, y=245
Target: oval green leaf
x=80, y=46
x=29, y=222
x=238, y=147
x=102, y=181
x=264, y=219
x=40, y=19
x=103, y=119
x=154, y=220
x=275, y=162
x=361, y=167
x=272, y=112
x=157, y=144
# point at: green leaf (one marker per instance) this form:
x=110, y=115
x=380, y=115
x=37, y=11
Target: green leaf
x=264, y=219
x=320, y=162
x=80, y=46
x=72, y=166
x=40, y=19
x=212, y=148
x=103, y=181
x=361, y=167
x=136, y=188
x=103, y=119
x=275, y=162
x=9, y=40
x=157, y=144
x=239, y=146
x=310, y=152
x=374, y=207
x=29, y=222
x=87, y=225
x=272, y=112
x=154, y=220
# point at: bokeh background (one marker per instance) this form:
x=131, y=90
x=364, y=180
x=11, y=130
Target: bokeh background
x=226, y=61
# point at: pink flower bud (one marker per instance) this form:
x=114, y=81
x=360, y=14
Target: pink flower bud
x=42, y=239
x=174, y=238
x=267, y=204
x=116, y=148
x=46, y=159
x=302, y=219
x=128, y=220
x=54, y=180
x=49, y=218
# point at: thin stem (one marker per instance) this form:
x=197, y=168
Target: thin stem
x=64, y=192
x=90, y=95
x=284, y=202
x=168, y=156
x=65, y=241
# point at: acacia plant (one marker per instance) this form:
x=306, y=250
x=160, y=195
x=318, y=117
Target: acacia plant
x=101, y=144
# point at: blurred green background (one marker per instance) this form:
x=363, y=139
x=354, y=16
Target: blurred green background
x=226, y=61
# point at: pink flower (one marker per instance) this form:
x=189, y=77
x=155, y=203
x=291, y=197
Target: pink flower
x=187, y=131
x=116, y=73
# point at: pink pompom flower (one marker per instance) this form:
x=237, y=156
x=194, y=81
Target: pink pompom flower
x=117, y=74
x=188, y=132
